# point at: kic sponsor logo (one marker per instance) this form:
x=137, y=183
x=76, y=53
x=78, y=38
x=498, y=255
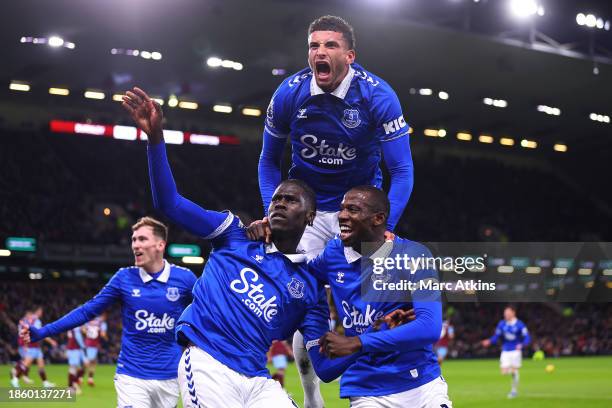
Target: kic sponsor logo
x=150, y=323
x=256, y=301
x=394, y=125
x=327, y=154
x=357, y=320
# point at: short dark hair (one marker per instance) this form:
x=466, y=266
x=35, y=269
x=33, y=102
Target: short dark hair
x=379, y=202
x=337, y=24
x=309, y=195
x=159, y=228
x=511, y=306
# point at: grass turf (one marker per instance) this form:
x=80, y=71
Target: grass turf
x=575, y=382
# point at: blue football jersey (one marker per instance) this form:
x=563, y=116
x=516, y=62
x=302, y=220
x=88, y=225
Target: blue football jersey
x=511, y=334
x=336, y=137
x=150, y=308
x=249, y=295
x=380, y=373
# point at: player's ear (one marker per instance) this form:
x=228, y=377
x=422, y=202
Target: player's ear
x=380, y=218
x=310, y=216
x=350, y=56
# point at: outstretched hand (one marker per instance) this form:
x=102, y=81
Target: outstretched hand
x=395, y=318
x=146, y=113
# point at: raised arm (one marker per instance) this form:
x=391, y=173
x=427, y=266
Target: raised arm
x=269, y=167
x=148, y=115
x=398, y=159
x=109, y=294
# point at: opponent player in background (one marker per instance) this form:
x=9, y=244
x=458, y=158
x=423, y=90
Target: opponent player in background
x=278, y=354
x=403, y=370
x=342, y=121
x=75, y=351
x=249, y=294
x=447, y=335
x=31, y=352
x=514, y=336
x=94, y=331
x=153, y=293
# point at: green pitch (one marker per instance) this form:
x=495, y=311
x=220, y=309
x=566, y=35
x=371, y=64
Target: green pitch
x=575, y=382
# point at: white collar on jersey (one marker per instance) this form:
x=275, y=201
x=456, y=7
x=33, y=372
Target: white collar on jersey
x=340, y=91
x=295, y=258
x=385, y=249
x=163, y=277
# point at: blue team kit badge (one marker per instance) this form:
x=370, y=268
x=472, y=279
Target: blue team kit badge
x=296, y=288
x=351, y=118
x=172, y=294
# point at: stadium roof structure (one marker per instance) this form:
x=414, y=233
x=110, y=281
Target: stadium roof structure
x=469, y=50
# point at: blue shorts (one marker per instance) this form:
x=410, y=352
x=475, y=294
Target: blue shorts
x=92, y=353
x=75, y=357
x=34, y=353
x=442, y=352
x=280, y=361
x=22, y=352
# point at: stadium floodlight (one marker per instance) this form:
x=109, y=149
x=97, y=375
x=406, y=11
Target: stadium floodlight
x=187, y=105
x=443, y=95
x=251, y=112
x=59, y=91
x=485, y=139
x=549, y=110
x=118, y=97
x=526, y=8
x=559, y=147
x=498, y=103
x=464, y=136
x=5, y=252
x=94, y=94
x=238, y=66
x=506, y=141
x=590, y=20
x=597, y=117
x=529, y=144
x=156, y=55
x=160, y=101
x=145, y=54
x=55, y=41
x=214, y=62
x=441, y=132
x=222, y=108
x=173, y=101
x=279, y=71
x=197, y=260
x=106, y=211
x=19, y=86
x=425, y=91
x=430, y=132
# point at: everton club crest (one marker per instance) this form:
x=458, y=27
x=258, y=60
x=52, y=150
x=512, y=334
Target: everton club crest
x=172, y=294
x=351, y=118
x=296, y=288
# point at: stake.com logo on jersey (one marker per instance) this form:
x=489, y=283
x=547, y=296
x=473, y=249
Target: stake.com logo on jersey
x=256, y=300
x=328, y=154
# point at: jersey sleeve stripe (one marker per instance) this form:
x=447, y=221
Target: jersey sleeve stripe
x=222, y=227
x=277, y=135
x=396, y=137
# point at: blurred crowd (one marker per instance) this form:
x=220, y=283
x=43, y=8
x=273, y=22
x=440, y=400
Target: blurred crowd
x=56, y=187
x=558, y=330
